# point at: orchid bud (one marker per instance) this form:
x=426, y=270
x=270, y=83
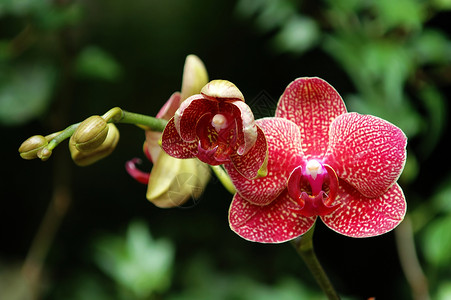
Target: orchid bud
x=85, y=158
x=30, y=148
x=90, y=134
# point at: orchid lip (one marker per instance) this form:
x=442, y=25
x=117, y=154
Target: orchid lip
x=306, y=186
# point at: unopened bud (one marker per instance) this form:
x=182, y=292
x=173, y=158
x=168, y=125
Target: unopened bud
x=85, y=158
x=90, y=134
x=30, y=148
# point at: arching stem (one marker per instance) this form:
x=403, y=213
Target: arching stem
x=304, y=247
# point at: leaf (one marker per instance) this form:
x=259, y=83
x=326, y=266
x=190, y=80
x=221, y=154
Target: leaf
x=95, y=63
x=137, y=263
x=25, y=92
x=437, y=241
x=297, y=35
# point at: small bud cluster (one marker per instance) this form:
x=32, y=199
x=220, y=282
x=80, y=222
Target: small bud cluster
x=90, y=141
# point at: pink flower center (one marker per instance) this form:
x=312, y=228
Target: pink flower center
x=217, y=138
x=314, y=188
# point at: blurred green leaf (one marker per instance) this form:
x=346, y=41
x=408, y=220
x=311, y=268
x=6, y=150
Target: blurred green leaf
x=95, y=63
x=437, y=241
x=297, y=35
x=204, y=282
x=403, y=13
x=431, y=46
x=21, y=7
x=139, y=264
x=25, y=91
x=444, y=290
x=435, y=105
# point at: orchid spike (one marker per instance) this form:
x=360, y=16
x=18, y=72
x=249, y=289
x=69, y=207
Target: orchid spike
x=322, y=162
x=217, y=127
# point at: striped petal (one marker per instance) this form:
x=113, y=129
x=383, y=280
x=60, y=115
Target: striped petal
x=173, y=145
x=312, y=104
x=273, y=223
x=367, y=152
x=284, y=154
x=250, y=163
x=358, y=216
x=189, y=113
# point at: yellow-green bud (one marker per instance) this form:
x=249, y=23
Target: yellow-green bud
x=30, y=148
x=90, y=134
x=85, y=158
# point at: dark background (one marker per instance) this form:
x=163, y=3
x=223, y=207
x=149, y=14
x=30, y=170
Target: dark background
x=150, y=40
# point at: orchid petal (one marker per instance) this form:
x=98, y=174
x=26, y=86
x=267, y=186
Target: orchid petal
x=170, y=107
x=358, y=216
x=173, y=145
x=247, y=125
x=186, y=116
x=151, y=143
x=273, y=223
x=194, y=76
x=284, y=154
x=250, y=163
x=173, y=181
x=367, y=152
x=312, y=104
x=222, y=91
x=133, y=171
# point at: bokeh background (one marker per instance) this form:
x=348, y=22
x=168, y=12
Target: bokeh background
x=71, y=232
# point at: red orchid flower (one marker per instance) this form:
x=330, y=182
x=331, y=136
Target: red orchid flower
x=217, y=127
x=322, y=162
x=173, y=181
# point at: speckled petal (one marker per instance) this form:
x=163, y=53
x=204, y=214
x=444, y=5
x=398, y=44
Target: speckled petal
x=250, y=163
x=358, y=216
x=189, y=113
x=273, y=223
x=367, y=152
x=248, y=127
x=284, y=154
x=312, y=104
x=173, y=145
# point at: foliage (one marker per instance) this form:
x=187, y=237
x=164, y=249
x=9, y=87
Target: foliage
x=60, y=59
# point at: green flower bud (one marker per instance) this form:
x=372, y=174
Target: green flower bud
x=30, y=148
x=90, y=134
x=85, y=158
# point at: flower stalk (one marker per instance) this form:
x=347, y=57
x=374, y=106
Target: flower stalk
x=304, y=247
x=114, y=115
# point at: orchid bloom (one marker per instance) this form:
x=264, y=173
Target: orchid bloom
x=217, y=127
x=173, y=181
x=322, y=162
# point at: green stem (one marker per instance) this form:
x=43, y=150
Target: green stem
x=224, y=178
x=117, y=115
x=304, y=247
x=147, y=121
x=114, y=115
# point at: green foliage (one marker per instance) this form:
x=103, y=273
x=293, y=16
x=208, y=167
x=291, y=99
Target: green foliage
x=204, y=282
x=25, y=91
x=437, y=241
x=95, y=63
x=140, y=265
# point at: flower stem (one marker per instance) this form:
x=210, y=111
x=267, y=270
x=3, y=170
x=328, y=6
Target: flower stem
x=304, y=247
x=117, y=115
x=114, y=115
x=224, y=178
